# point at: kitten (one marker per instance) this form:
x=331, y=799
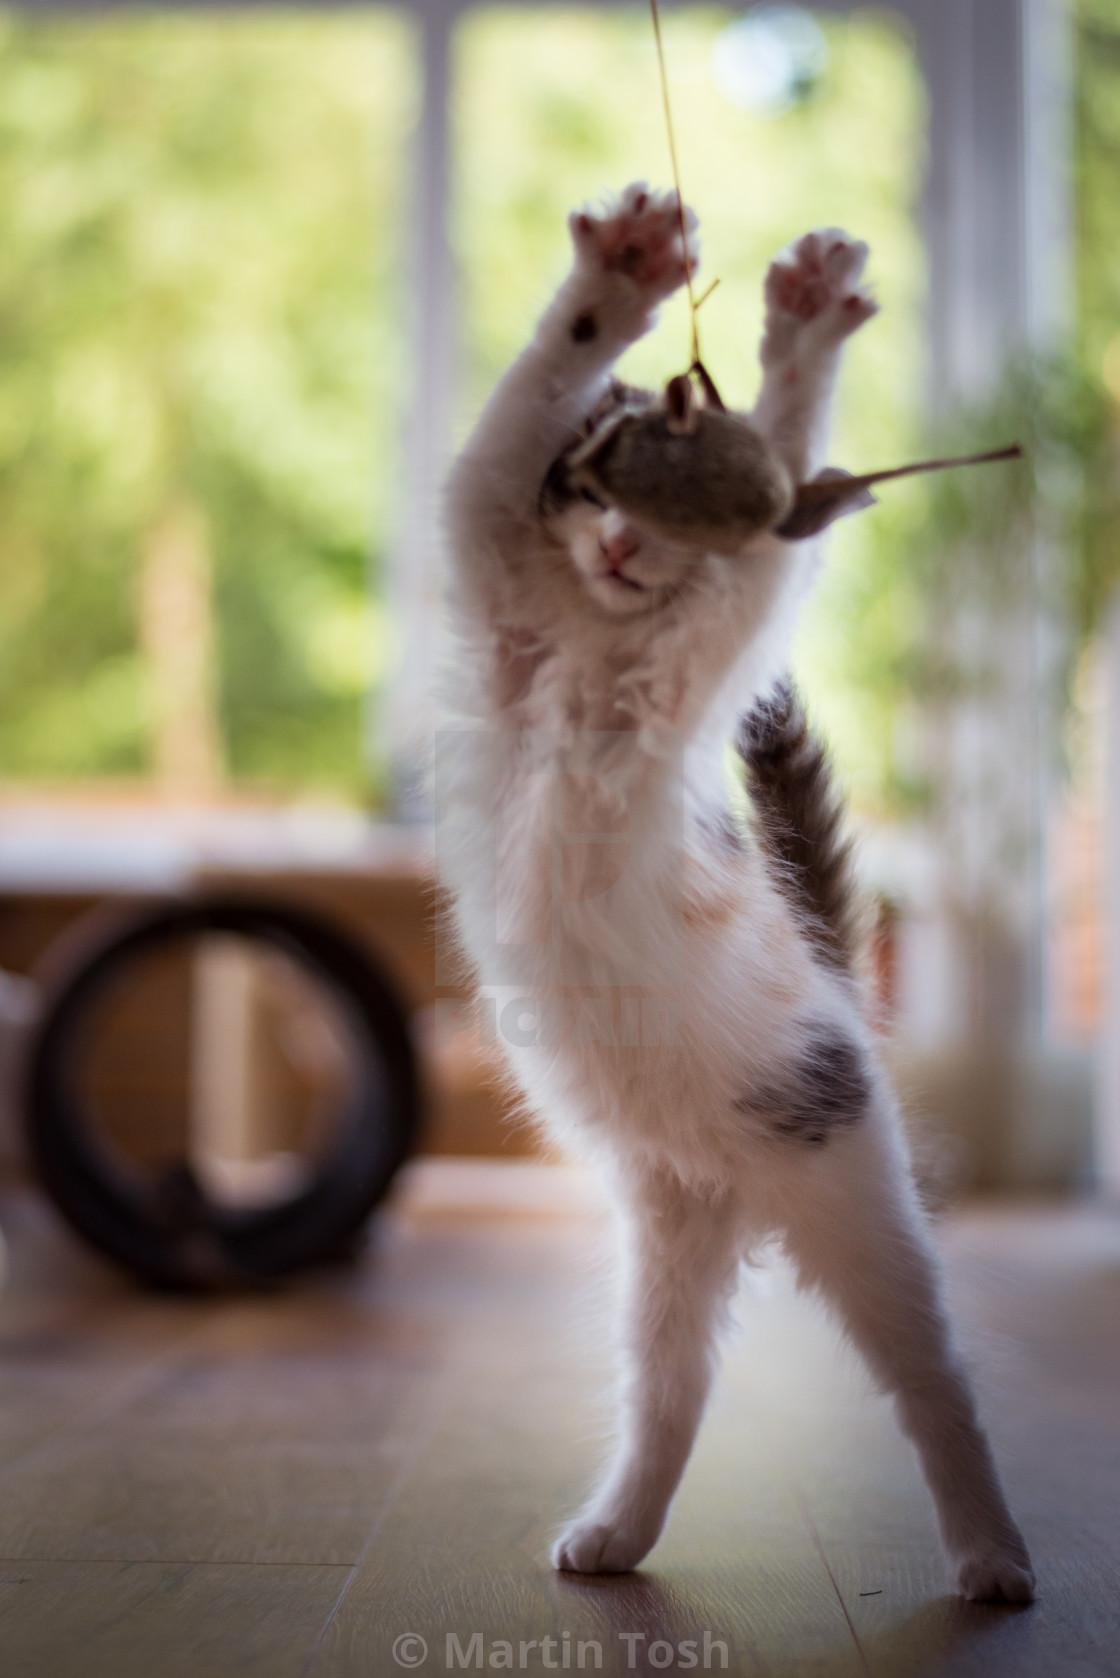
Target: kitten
x=676, y=994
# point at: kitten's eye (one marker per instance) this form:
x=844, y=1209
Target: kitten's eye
x=594, y=499
x=556, y=492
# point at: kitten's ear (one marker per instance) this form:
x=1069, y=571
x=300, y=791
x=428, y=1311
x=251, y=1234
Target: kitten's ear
x=680, y=406
x=831, y=495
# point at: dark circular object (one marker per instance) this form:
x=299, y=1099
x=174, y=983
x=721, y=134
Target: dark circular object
x=166, y=1229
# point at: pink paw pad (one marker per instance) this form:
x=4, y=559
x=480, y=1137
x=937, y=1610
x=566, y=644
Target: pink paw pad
x=821, y=273
x=800, y=293
x=641, y=238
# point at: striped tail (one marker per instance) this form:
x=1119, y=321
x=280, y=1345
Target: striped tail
x=799, y=819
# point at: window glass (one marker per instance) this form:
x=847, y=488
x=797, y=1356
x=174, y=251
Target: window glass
x=557, y=106
x=199, y=376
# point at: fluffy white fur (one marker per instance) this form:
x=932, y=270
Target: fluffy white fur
x=650, y=975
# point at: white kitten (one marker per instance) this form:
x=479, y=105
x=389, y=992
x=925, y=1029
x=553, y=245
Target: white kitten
x=676, y=997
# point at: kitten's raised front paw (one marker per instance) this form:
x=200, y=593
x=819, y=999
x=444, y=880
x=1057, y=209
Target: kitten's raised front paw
x=639, y=236
x=997, y=1575
x=814, y=291
x=600, y=1547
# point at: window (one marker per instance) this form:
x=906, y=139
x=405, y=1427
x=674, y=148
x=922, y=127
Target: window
x=200, y=372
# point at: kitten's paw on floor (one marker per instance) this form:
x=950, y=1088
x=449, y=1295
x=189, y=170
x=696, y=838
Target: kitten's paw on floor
x=639, y=235
x=997, y=1576
x=816, y=285
x=600, y=1547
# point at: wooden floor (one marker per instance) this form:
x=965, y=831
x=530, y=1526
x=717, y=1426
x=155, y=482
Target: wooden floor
x=288, y=1485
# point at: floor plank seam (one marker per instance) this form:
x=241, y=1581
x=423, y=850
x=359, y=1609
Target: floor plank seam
x=818, y=1545
x=427, y=1421
x=129, y=1388
x=166, y=1561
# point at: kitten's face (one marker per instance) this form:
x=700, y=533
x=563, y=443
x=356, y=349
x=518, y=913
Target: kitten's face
x=626, y=570
x=623, y=568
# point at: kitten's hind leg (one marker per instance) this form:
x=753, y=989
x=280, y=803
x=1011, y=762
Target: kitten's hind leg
x=857, y=1236
x=681, y=1264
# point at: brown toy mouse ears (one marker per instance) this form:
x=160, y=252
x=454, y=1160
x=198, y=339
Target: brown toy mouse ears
x=680, y=398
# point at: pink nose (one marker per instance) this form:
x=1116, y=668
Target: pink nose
x=618, y=549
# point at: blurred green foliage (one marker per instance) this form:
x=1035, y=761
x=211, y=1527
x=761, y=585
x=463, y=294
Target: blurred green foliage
x=199, y=246
x=558, y=106
x=1097, y=70
x=1092, y=382
x=201, y=227
x=983, y=547
x=199, y=270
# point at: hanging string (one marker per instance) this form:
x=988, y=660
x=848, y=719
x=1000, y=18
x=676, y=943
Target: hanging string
x=703, y=298
x=694, y=354
x=815, y=492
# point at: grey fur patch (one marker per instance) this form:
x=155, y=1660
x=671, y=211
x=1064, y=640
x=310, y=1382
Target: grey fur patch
x=585, y=328
x=827, y=1089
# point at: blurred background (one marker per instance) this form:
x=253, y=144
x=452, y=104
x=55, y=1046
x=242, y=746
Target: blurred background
x=258, y=271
